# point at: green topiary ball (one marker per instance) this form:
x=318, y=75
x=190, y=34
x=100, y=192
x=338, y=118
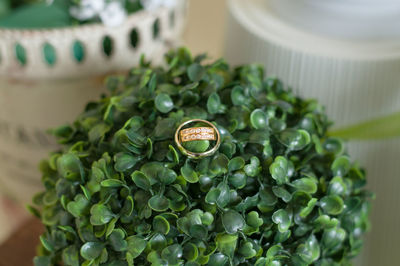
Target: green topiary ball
x=278, y=191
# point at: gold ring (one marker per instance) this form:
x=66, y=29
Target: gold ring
x=197, y=133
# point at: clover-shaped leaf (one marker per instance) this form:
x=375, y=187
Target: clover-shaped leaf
x=333, y=237
x=279, y=170
x=117, y=240
x=324, y=221
x=253, y=169
x=100, y=214
x=141, y=180
x=337, y=186
x=282, y=219
x=70, y=167
x=190, y=252
x=238, y=179
x=198, y=231
x=232, y=221
x=253, y=219
x=308, y=209
x=341, y=166
x=79, y=206
x=214, y=104
x=259, y=119
x=238, y=96
x=236, y=164
x=310, y=250
x=189, y=173
x=247, y=250
x=158, y=203
x=226, y=244
x=305, y=184
x=332, y=204
x=207, y=218
x=282, y=193
x=70, y=256
x=294, y=139
x=163, y=103
x=125, y=161
x=219, y=164
x=172, y=254
x=167, y=176
x=91, y=250
x=158, y=242
x=195, y=72
x=161, y=225
x=136, y=246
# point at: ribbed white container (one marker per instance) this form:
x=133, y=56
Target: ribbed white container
x=356, y=78
x=36, y=96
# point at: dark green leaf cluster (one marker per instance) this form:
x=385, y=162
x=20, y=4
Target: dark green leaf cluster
x=277, y=192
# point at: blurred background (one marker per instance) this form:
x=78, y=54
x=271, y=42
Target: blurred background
x=344, y=53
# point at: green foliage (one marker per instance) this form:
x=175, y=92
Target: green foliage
x=278, y=192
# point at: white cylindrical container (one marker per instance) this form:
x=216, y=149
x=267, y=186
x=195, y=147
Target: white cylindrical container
x=47, y=76
x=347, y=55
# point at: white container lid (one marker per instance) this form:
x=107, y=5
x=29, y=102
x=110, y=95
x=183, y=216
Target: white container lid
x=262, y=18
x=350, y=19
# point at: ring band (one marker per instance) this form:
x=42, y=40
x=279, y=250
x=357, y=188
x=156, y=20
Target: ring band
x=197, y=133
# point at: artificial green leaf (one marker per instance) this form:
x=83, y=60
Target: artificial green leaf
x=161, y=225
x=279, y=170
x=70, y=167
x=136, y=246
x=232, y=221
x=190, y=252
x=100, y=214
x=310, y=250
x=196, y=72
x=198, y=231
x=247, y=250
x=282, y=219
x=163, y=103
x=259, y=119
x=214, y=104
x=117, y=240
x=253, y=219
x=333, y=237
x=305, y=184
x=337, y=186
x=112, y=183
x=332, y=204
x=226, y=244
x=124, y=161
x=158, y=203
x=189, y=174
x=219, y=164
x=295, y=139
x=236, y=164
x=91, y=250
x=79, y=206
x=172, y=254
x=141, y=180
x=341, y=166
x=70, y=256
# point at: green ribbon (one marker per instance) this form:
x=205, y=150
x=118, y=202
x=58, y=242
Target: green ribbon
x=379, y=128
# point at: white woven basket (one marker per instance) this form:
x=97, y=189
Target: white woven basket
x=38, y=93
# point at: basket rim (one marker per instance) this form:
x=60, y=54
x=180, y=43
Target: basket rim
x=90, y=26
